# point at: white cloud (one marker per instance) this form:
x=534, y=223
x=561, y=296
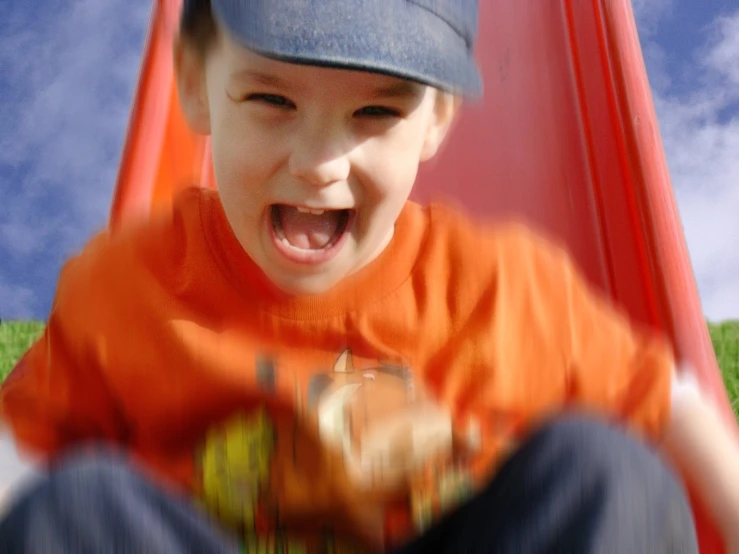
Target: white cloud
x=723, y=57
x=68, y=71
x=700, y=131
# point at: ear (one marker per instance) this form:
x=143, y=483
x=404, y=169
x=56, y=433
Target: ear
x=445, y=110
x=189, y=68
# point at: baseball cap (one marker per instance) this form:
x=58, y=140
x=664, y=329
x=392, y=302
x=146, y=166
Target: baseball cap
x=428, y=41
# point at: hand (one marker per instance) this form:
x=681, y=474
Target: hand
x=310, y=483
x=348, y=473
x=258, y=470
x=701, y=445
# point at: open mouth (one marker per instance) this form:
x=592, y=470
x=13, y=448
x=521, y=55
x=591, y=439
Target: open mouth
x=309, y=229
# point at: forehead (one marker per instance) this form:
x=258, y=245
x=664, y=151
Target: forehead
x=243, y=66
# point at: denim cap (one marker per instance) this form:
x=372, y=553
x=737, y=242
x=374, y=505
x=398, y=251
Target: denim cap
x=428, y=41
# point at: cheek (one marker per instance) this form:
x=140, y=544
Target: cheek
x=242, y=156
x=394, y=166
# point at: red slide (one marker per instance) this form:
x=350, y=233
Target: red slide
x=566, y=138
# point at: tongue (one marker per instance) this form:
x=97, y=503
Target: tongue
x=306, y=230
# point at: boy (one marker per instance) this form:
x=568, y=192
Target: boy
x=315, y=363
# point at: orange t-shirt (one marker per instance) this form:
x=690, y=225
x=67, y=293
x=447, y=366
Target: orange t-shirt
x=433, y=361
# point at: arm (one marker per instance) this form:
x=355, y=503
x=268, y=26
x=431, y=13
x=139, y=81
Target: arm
x=700, y=445
x=627, y=372
x=15, y=470
x=662, y=407
x=57, y=395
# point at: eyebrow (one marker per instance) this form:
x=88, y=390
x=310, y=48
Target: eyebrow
x=400, y=89
x=266, y=79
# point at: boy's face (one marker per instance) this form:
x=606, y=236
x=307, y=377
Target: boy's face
x=313, y=164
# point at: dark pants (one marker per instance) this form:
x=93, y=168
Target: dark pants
x=575, y=486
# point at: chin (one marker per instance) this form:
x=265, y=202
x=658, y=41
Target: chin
x=306, y=286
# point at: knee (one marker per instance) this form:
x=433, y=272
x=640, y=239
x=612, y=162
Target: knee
x=606, y=458
x=593, y=447
x=588, y=441
x=94, y=472
x=76, y=488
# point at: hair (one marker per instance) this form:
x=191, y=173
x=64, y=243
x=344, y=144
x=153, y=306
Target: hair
x=198, y=27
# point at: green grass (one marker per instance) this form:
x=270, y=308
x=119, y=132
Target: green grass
x=16, y=337
x=725, y=337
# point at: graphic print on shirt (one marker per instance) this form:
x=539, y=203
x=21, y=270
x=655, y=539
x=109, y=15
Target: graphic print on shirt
x=359, y=427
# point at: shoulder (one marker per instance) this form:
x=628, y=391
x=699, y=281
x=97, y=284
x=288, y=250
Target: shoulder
x=115, y=265
x=153, y=240
x=511, y=246
x=487, y=270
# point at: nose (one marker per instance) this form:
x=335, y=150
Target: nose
x=320, y=155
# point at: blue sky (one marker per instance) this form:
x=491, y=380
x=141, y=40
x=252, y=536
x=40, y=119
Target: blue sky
x=67, y=72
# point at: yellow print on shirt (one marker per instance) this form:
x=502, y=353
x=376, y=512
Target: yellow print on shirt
x=235, y=465
x=236, y=470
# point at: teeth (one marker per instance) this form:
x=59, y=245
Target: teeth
x=303, y=210
x=286, y=242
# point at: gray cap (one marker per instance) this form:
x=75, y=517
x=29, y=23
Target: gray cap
x=429, y=41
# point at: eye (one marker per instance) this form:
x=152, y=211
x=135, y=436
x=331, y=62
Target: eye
x=271, y=99
x=377, y=111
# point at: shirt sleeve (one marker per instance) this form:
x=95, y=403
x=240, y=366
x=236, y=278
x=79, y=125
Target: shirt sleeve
x=57, y=395
x=614, y=365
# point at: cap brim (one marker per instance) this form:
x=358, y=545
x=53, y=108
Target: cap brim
x=355, y=34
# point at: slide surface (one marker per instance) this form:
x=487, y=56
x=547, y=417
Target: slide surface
x=566, y=138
